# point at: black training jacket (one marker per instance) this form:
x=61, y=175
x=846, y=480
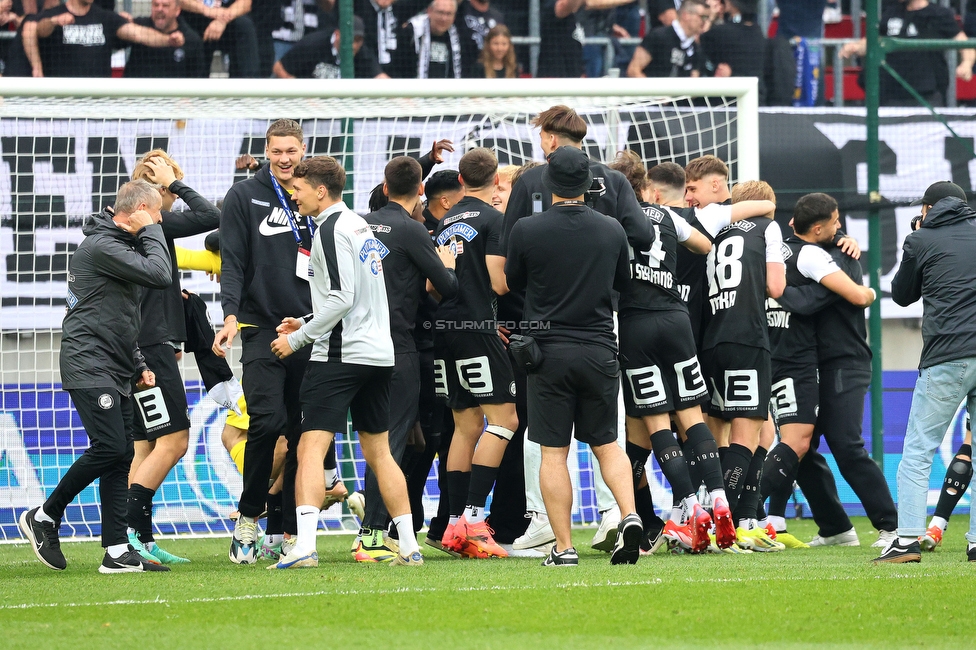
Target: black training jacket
x=106, y=276
x=162, y=309
x=938, y=265
x=258, y=254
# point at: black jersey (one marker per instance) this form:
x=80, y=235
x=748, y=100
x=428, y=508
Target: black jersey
x=842, y=339
x=472, y=228
x=691, y=266
x=737, y=282
x=409, y=260
x=653, y=285
x=793, y=337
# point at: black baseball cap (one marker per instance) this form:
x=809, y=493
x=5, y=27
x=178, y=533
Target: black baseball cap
x=568, y=172
x=938, y=191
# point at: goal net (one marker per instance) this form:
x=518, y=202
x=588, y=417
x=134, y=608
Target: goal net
x=68, y=144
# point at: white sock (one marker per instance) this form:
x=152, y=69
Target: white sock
x=331, y=477
x=779, y=523
x=42, y=516
x=474, y=514
x=452, y=520
x=408, y=539
x=271, y=540
x=763, y=522
x=719, y=494
x=688, y=506
x=308, y=521
x=745, y=524
x=971, y=546
x=940, y=522
x=677, y=514
x=905, y=541
x=115, y=551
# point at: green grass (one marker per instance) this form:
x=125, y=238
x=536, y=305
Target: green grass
x=831, y=596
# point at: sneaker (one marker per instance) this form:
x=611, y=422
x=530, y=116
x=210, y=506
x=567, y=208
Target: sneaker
x=478, y=539
x=895, y=553
x=373, y=548
x=414, y=559
x=243, y=549
x=129, y=562
x=569, y=557
x=847, y=538
x=971, y=552
x=931, y=539
x=757, y=539
x=734, y=549
x=288, y=545
x=538, y=551
x=652, y=541
x=433, y=542
x=269, y=551
x=297, y=561
x=884, y=538
x=626, y=550
x=451, y=543
x=165, y=556
x=141, y=549
x=357, y=505
x=699, y=524
x=538, y=533
x=679, y=534
x=771, y=531
x=43, y=536
x=335, y=494
x=790, y=541
x=605, y=538
x=724, y=528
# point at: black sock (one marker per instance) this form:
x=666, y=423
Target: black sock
x=638, y=461
x=760, y=512
x=721, y=454
x=139, y=511
x=749, y=499
x=482, y=479
x=779, y=499
x=672, y=463
x=957, y=479
x=779, y=469
x=706, y=458
x=644, y=506
x=275, y=525
x=735, y=470
x=330, y=458
x=457, y=492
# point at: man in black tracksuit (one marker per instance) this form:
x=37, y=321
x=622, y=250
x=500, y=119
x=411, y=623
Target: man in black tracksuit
x=264, y=245
x=121, y=254
x=409, y=259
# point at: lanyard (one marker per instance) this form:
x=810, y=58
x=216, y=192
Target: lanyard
x=291, y=217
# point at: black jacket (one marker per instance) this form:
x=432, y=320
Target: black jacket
x=162, y=309
x=106, y=276
x=938, y=266
x=258, y=254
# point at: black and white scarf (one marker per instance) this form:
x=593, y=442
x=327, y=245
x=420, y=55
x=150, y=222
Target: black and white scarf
x=421, y=43
x=386, y=32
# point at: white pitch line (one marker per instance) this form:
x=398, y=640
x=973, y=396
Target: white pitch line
x=484, y=588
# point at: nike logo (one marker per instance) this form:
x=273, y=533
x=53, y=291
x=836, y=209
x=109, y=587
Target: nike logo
x=783, y=473
x=275, y=223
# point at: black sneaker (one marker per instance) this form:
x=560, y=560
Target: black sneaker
x=129, y=562
x=43, y=536
x=896, y=553
x=629, y=534
x=971, y=551
x=569, y=557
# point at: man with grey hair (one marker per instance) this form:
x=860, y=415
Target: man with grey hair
x=431, y=46
x=123, y=251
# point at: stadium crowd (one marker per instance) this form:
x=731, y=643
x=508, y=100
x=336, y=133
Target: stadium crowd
x=487, y=316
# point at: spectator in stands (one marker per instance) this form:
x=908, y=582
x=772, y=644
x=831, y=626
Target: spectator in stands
x=299, y=18
x=671, y=51
x=716, y=12
x=317, y=57
x=663, y=12
x=803, y=19
x=599, y=18
x=382, y=19
x=474, y=20
x=429, y=45
x=162, y=62
x=267, y=18
x=561, y=35
x=11, y=16
x=226, y=26
x=497, y=58
x=627, y=24
x=76, y=39
x=737, y=47
x=925, y=71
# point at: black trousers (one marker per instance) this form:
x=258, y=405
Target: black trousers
x=108, y=420
x=272, y=388
x=842, y=394
x=404, y=405
x=508, y=498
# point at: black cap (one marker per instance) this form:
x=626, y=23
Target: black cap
x=938, y=191
x=358, y=27
x=568, y=172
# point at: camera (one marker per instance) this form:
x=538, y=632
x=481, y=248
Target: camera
x=916, y=222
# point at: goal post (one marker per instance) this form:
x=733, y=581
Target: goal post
x=66, y=145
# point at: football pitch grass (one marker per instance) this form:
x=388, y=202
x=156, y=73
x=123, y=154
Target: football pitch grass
x=825, y=596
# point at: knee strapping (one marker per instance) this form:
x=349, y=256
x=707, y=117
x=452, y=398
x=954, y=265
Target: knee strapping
x=500, y=431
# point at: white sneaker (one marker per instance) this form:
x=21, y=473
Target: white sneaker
x=606, y=534
x=357, y=505
x=884, y=538
x=538, y=533
x=847, y=538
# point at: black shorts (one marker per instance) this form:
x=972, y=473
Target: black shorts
x=331, y=390
x=473, y=369
x=659, y=364
x=575, y=385
x=795, y=393
x=162, y=409
x=739, y=377
x=405, y=386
